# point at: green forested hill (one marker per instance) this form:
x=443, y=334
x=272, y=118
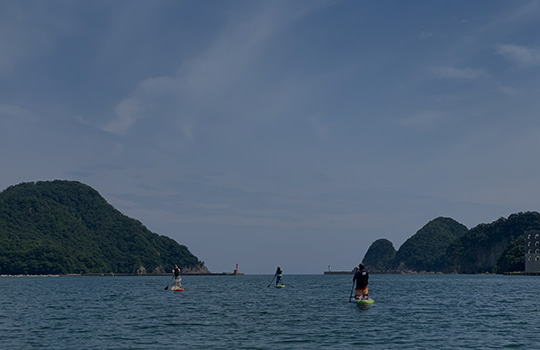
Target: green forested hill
x=425, y=250
x=496, y=247
x=380, y=256
x=59, y=227
x=444, y=245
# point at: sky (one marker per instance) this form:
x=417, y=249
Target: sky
x=265, y=133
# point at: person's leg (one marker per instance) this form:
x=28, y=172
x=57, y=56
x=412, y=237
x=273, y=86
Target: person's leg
x=365, y=293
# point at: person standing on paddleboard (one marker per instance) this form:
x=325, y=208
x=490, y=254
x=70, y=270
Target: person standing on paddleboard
x=361, y=277
x=176, y=275
x=279, y=275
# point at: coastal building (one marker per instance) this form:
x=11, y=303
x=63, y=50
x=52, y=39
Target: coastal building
x=532, y=251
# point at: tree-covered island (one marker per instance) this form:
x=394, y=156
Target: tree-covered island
x=65, y=227
x=445, y=246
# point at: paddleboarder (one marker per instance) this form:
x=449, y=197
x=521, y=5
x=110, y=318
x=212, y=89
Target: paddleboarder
x=176, y=275
x=361, y=277
x=279, y=275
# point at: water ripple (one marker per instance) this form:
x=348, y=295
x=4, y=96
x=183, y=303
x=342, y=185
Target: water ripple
x=312, y=312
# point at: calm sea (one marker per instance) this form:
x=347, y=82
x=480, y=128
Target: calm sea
x=240, y=312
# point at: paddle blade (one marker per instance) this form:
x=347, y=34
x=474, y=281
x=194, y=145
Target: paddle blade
x=166, y=287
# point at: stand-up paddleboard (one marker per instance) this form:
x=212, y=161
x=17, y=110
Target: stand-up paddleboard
x=280, y=286
x=177, y=289
x=364, y=301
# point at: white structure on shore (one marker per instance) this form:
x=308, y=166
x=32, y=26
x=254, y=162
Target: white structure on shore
x=532, y=251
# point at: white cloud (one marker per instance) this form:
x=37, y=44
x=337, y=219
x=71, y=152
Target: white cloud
x=186, y=127
x=159, y=86
x=508, y=90
x=214, y=81
x=425, y=35
x=320, y=128
x=460, y=73
x=518, y=53
x=13, y=111
x=424, y=119
x=127, y=112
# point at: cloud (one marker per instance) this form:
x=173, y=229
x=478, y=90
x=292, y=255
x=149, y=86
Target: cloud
x=518, y=53
x=425, y=35
x=214, y=82
x=508, y=90
x=159, y=86
x=13, y=111
x=127, y=112
x=320, y=128
x=423, y=119
x=460, y=73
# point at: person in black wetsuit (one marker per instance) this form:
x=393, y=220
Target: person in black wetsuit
x=361, y=276
x=176, y=275
x=279, y=275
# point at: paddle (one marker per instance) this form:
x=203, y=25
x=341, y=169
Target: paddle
x=168, y=285
x=352, y=290
x=271, y=281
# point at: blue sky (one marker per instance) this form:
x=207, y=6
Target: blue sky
x=267, y=133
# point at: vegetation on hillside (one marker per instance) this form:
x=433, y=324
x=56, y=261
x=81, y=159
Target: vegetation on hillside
x=512, y=259
x=60, y=227
x=496, y=247
x=380, y=256
x=425, y=250
x=444, y=245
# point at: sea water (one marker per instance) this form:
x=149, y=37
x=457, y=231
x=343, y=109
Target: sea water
x=242, y=312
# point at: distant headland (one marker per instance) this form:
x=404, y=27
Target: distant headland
x=66, y=227
x=445, y=246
